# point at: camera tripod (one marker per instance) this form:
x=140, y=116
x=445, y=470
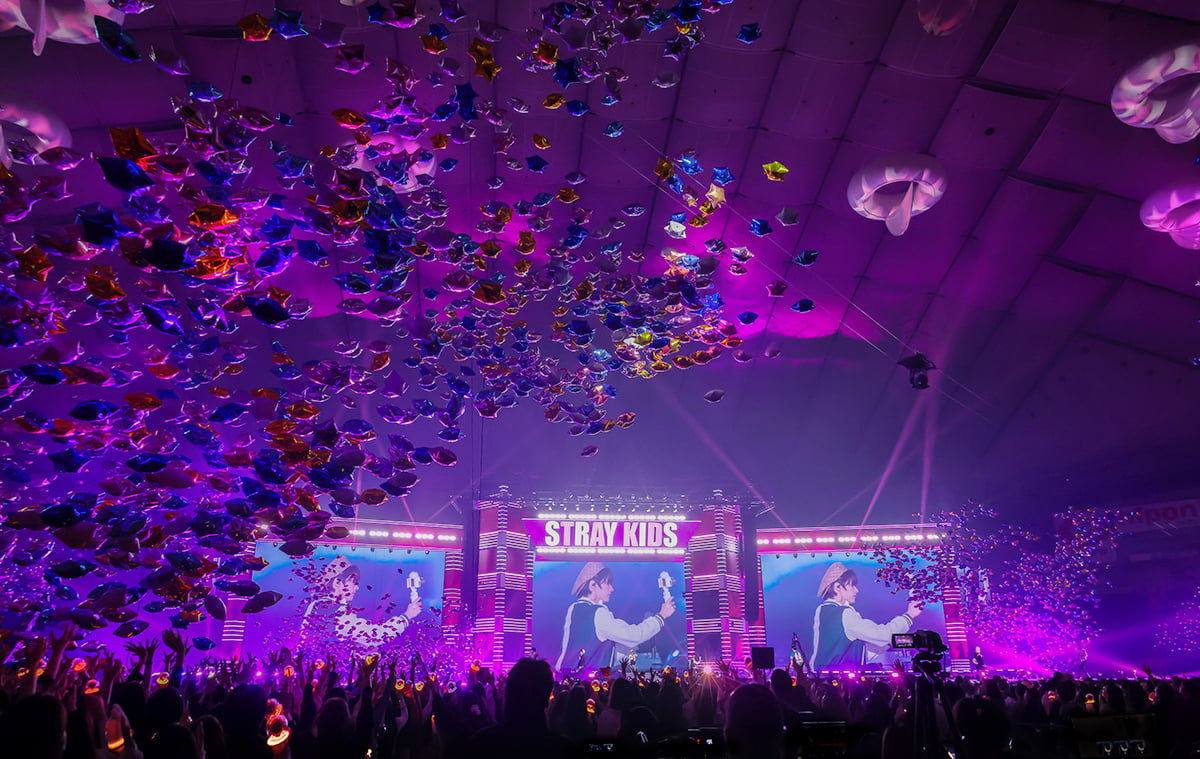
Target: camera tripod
x=929, y=687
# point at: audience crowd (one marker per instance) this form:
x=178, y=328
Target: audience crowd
x=56, y=701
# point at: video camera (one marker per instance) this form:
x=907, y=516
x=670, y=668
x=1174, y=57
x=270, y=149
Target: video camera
x=922, y=641
x=929, y=649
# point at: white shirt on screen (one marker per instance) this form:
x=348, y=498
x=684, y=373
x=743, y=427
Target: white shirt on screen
x=623, y=633
x=609, y=628
x=877, y=637
x=355, y=629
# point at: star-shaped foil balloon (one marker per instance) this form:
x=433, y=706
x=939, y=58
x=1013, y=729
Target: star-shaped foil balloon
x=788, y=216
x=749, y=33
x=351, y=58
x=288, y=23
x=715, y=195
x=255, y=28
x=760, y=227
x=566, y=72
x=805, y=258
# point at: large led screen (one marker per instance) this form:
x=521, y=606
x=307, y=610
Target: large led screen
x=347, y=599
x=589, y=615
x=839, y=612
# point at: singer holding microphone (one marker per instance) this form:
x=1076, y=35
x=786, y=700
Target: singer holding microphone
x=591, y=632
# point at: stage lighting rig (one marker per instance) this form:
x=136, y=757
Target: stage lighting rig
x=918, y=366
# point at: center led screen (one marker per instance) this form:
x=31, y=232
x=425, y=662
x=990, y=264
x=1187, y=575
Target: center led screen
x=839, y=612
x=589, y=615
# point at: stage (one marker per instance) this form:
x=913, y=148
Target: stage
x=697, y=583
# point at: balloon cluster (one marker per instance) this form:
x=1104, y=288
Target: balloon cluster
x=972, y=536
x=144, y=434
x=1035, y=601
x=1181, y=632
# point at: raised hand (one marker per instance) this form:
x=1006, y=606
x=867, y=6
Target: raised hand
x=58, y=646
x=367, y=668
x=59, y=643
x=8, y=642
x=34, y=651
x=177, y=644
x=144, y=652
x=246, y=668
x=667, y=609
x=109, y=665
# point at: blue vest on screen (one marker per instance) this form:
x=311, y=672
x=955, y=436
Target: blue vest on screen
x=582, y=635
x=834, y=649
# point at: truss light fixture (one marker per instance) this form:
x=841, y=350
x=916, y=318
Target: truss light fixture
x=918, y=367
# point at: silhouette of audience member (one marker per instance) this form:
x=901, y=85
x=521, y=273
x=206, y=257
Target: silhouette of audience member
x=639, y=732
x=131, y=697
x=577, y=725
x=703, y=707
x=1112, y=699
x=983, y=728
x=212, y=737
x=753, y=724
x=243, y=718
x=622, y=697
x=163, y=708
x=522, y=732
x=34, y=727
x=671, y=721
x=334, y=734
x=877, y=711
x=782, y=687
x=173, y=741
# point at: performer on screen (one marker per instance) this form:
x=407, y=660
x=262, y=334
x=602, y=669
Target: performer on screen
x=590, y=631
x=331, y=618
x=841, y=636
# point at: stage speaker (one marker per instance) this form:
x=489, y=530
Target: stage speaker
x=470, y=573
x=762, y=657
x=748, y=561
